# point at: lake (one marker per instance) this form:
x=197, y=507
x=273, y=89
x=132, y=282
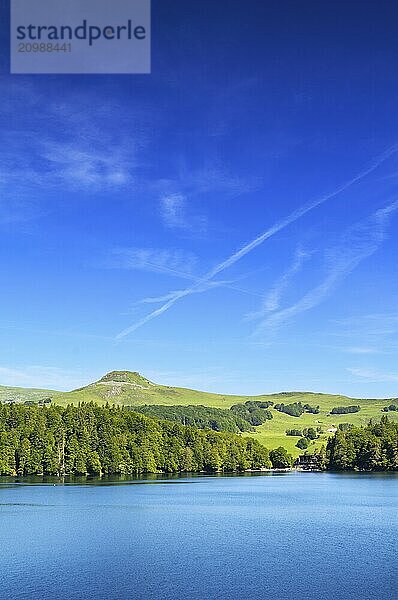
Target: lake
x=276, y=536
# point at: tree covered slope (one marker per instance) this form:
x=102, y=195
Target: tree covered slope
x=89, y=439
x=127, y=388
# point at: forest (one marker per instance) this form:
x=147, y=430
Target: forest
x=240, y=417
x=370, y=448
x=296, y=409
x=89, y=439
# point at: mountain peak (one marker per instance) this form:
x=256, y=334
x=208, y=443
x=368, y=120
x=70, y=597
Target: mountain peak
x=125, y=377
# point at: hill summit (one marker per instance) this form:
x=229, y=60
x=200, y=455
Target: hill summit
x=125, y=377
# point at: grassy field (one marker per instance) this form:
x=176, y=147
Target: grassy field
x=128, y=388
x=272, y=433
x=18, y=394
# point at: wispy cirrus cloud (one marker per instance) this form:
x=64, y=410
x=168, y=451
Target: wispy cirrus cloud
x=67, y=164
x=175, y=214
x=170, y=295
x=311, y=299
x=273, y=298
x=192, y=183
x=172, y=209
x=373, y=375
x=78, y=164
x=175, y=263
x=373, y=325
x=39, y=376
x=360, y=350
x=366, y=334
x=179, y=263
x=178, y=196
x=53, y=147
x=356, y=244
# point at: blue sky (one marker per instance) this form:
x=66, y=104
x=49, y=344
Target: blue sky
x=227, y=223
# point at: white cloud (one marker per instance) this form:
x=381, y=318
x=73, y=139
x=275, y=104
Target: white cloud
x=358, y=243
x=172, y=210
x=178, y=196
x=175, y=214
x=316, y=295
x=194, y=183
x=273, y=298
x=54, y=146
x=373, y=333
x=179, y=263
x=172, y=294
x=370, y=325
x=373, y=375
x=360, y=350
x=36, y=376
x=91, y=166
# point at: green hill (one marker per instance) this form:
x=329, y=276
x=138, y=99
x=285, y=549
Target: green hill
x=132, y=389
x=18, y=394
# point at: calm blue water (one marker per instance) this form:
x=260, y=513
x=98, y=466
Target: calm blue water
x=273, y=537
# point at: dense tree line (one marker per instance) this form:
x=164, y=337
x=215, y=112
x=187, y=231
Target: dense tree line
x=345, y=410
x=392, y=407
x=203, y=417
x=253, y=411
x=296, y=409
x=370, y=448
x=89, y=439
x=238, y=418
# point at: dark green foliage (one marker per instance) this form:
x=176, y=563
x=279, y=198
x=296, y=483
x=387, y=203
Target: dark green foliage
x=392, y=407
x=102, y=440
x=310, y=433
x=280, y=458
x=202, y=417
x=344, y=410
x=370, y=448
x=295, y=432
x=296, y=409
x=345, y=426
x=240, y=417
x=45, y=401
x=321, y=458
x=305, y=435
x=315, y=410
x=252, y=411
x=303, y=443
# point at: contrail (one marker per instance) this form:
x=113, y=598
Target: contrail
x=160, y=268
x=359, y=242
x=268, y=233
x=272, y=300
